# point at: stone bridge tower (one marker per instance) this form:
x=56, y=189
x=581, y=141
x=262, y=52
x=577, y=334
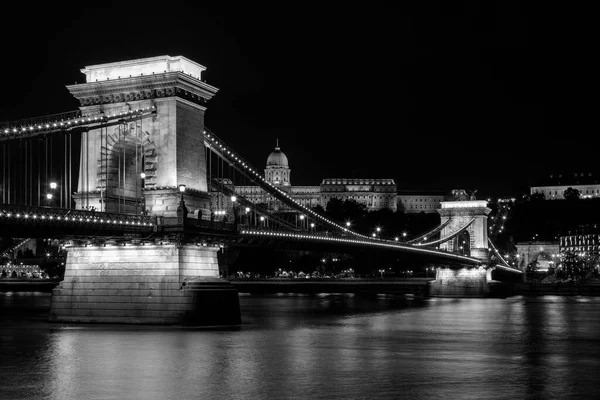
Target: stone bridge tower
x=137, y=165
x=168, y=148
x=460, y=211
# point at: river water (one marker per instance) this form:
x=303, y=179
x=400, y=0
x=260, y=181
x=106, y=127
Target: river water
x=314, y=347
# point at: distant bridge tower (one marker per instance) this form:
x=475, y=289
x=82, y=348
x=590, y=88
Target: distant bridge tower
x=464, y=281
x=168, y=148
x=460, y=212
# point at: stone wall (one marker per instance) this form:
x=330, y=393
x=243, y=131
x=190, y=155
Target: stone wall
x=463, y=282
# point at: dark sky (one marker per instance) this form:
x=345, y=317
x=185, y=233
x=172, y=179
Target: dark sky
x=488, y=96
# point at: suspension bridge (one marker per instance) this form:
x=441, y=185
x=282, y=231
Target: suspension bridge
x=143, y=195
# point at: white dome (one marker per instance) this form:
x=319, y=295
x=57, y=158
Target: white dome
x=277, y=159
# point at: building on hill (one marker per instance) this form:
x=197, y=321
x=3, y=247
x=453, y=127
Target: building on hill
x=375, y=194
x=587, y=183
x=416, y=201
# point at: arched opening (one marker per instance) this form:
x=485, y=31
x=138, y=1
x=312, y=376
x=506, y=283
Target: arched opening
x=462, y=243
x=124, y=182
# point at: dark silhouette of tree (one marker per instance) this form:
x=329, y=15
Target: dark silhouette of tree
x=536, y=197
x=574, y=267
x=53, y=268
x=571, y=194
x=531, y=270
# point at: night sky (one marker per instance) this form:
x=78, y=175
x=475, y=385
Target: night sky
x=480, y=96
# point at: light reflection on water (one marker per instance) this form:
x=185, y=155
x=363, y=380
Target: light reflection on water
x=315, y=347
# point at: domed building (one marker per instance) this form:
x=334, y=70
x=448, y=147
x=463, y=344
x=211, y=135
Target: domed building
x=278, y=170
x=375, y=194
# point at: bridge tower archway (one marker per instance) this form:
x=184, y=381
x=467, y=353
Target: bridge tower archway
x=462, y=243
x=120, y=180
x=461, y=212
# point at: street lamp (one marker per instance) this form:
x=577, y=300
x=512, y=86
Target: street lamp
x=181, y=210
x=53, y=185
x=404, y=236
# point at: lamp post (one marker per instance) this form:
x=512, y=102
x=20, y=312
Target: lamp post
x=181, y=210
x=50, y=194
x=143, y=201
x=404, y=236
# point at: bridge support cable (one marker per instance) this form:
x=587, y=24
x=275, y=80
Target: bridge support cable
x=245, y=202
x=428, y=234
x=224, y=151
x=69, y=121
x=15, y=247
x=447, y=238
x=502, y=260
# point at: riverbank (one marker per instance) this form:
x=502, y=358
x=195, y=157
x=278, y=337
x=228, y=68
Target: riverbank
x=591, y=288
x=28, y=285
x=416, y=286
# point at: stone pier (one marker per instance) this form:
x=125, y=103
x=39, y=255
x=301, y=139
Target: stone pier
x=150, y=284
x=463, y=282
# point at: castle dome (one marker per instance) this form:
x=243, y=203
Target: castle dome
x=277, y=158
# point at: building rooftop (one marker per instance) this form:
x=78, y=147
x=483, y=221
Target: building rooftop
x=570, y=178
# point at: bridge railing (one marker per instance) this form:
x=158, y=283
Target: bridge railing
x=41, y=213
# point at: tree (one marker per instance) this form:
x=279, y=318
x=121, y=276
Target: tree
x=571, y=194
x=531, y=270
x=571, y=266
x=537, y=197
x=53, y=268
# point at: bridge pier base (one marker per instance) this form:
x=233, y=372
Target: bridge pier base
x=465, y=282
x=151, y=284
